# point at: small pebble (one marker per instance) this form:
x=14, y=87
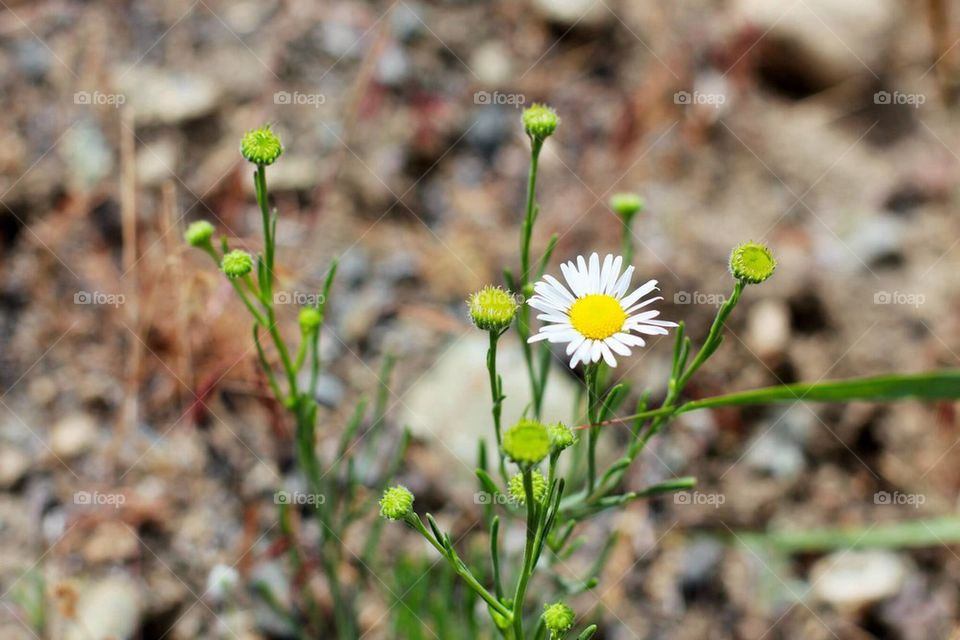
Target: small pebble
x=73, y=435
x=855, y=579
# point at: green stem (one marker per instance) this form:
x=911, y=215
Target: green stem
x=523, y=317
x=260, y=184
x=267, y=369
x=496, y=395
x=246, y=301
x=591, y=375
x=458, y=566
x=713, y=338
x=528, y=551
x=627, y=240
x=301, y=352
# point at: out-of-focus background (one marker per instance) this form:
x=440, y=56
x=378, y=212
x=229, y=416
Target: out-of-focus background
x=138, y=451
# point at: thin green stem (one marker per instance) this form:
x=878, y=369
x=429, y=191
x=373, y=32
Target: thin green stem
x=528, y=552
x=713, y=338
x=496, y=396
x=591, y=375
x=460, y=568
x=537, y=380
x=301, y=352
x=260, y=184
x=246, y=301
x=265, y=365
x=627, y=240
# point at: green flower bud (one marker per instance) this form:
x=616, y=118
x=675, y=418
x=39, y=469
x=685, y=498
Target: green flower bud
x=558, y=617
x=261, y=146
x=198, y=234
x=310, y=319
x=752, y=262
x=518, y=493
x=539, y=121
x=526, y=442
x=561, y=436
x=492, y=309
x=236, y=264
x=396, y=503
x=626, y=205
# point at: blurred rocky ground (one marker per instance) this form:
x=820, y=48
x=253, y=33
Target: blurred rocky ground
x=138, y=452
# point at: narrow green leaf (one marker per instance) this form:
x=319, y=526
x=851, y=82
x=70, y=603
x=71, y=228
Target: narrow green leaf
x=934, y=385
x=612, y=401
x=351, y=429
x=487, y=484
x=916, y=533
x=551, y=245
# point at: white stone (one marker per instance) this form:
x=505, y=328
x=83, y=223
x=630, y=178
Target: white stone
x=159, y=96
x=450, y=404
x=107, y=610
x=768, y=328
x=854, y=579
x=836, y=38
x=73, y=435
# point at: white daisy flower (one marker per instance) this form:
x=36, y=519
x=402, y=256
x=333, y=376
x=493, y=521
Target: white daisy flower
x=595, y=316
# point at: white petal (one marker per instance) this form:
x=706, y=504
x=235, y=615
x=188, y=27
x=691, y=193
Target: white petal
x=595, y=349
x=558, y=286
x=538, y=337
x=639, y=293
x=583, y=271
x=575, y=344
x=553, y=317
x=661, y=323
x=630, y=340
x=594, y=275
x=618, y=346
x=605, y=273
x=608, y=355
x=572, y=277
x=557, y=337
x=581, y=354
x=650, y=331
x=641, y=305
x=614, y=276
x=542, y=304
x=565, y=326
x=553, y=289
x=623, y=283
x=645, y=315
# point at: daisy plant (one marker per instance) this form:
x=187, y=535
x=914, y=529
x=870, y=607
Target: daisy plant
x=292, y=375
x=594, y=317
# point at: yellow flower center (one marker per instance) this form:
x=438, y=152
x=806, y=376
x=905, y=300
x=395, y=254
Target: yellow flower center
x=597, y=316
